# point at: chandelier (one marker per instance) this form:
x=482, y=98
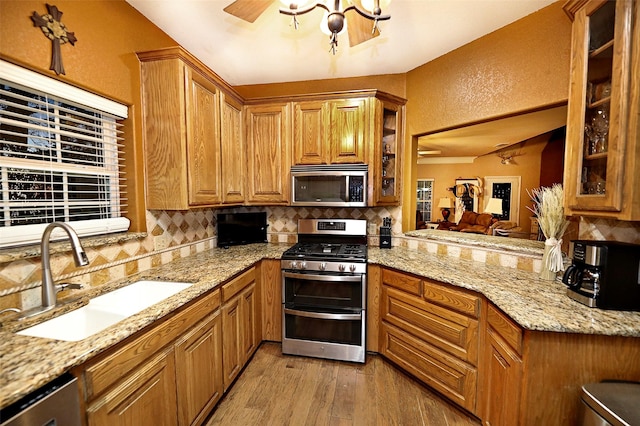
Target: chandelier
x=335, y=17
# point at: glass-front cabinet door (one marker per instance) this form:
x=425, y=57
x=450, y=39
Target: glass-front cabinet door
x=598, y=104
x=387, y=146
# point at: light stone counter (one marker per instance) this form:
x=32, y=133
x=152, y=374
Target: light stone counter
x=518, y=245
x=27, y=363
x=533, y=303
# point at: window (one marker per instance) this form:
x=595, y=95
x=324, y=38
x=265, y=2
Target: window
x=425, y=196
x=59, y=158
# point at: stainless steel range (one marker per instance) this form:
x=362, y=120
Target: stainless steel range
x=324, y=290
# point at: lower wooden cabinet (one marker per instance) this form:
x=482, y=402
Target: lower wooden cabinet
x=433, y=333
x=271, y=299
x=199, y=370
x=147, y=394
x=502, y=382
x=168, y=374
x=503, y=363
x=241, y=332
x=450, y=376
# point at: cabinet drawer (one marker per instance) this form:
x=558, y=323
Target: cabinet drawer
x=450, y=331
x=114, y=365
x=236, y=285
x=404, y=282
x=457, y=300
x=445, y=373
x=506, y=328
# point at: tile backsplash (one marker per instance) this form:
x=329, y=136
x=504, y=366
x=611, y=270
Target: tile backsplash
x=171, y=235
x=175, y=234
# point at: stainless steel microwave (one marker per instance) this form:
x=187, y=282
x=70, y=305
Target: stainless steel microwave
x=343, y=185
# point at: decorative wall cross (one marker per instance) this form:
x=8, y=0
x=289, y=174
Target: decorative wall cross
x=54, y=30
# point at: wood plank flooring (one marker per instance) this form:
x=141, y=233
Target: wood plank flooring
x=278, y=389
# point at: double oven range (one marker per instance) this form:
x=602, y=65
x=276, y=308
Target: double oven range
x=324, y=290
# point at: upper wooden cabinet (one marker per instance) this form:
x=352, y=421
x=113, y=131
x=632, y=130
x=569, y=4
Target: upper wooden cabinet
x=233, y=151
x=309, y=132
x=385, y=169
x=182, y=102
x=268, y=142
x=602, y=151
x=330, y=131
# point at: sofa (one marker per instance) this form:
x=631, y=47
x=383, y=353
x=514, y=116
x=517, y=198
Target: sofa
x=475, y=223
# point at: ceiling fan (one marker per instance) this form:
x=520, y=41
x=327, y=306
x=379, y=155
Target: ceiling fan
x=360, y=27
x=507, y=157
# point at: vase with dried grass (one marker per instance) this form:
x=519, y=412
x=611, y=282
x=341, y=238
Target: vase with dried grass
x=553, y=224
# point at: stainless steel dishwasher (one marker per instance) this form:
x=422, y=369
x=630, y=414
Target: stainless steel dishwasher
x=54, y=404
x=610, y=403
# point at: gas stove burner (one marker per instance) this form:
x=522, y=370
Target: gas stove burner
x=327, y=250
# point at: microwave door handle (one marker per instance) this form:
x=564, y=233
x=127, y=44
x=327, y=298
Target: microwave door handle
x=347, y=193
x=320, y=315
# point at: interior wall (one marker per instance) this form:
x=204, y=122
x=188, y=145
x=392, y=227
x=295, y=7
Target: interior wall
x=526, y=165
x=524, y=65
x=102, y=61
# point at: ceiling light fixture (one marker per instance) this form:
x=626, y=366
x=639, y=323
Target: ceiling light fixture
x=335, y=18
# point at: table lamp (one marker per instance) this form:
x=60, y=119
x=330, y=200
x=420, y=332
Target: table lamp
x=445, y=204
x=494, y=206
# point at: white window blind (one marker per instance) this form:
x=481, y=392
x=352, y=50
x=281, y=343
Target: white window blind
x=59, y=158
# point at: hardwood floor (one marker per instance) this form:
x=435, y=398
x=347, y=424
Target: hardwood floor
x=278, y=389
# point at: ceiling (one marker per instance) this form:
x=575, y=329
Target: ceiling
x=270, y=50
x=464, y=144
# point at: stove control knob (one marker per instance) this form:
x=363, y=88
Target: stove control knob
x=323, y=266
x=352, y=268
x=294, y=264
x=303, y=265
x=341, y=267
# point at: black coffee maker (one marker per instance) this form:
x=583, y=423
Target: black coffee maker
x=604, y=274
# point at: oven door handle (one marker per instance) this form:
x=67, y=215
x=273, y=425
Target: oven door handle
x=320, y=315
x=318, y=277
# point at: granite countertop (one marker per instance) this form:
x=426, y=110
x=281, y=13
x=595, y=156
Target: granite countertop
x=518, y=245
x=27, y=363
x=533, y=303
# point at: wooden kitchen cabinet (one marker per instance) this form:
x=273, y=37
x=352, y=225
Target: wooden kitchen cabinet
x=348, y=124
x=503, y=363
x=268, y=142
x=330, y=131
x=153, y=375
x=271, y=299
x=199, y=352
x=386, y=164
x=148, y=393
x=428, y=334
x=181, y=120
x=309, y=132
x=232, y=150
x=603, y=147
x=241, y=332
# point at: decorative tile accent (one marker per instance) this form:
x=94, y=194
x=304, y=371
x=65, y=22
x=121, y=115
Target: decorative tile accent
x=606, y=229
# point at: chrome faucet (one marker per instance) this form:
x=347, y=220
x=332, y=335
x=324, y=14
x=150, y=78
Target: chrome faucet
x=80, y=257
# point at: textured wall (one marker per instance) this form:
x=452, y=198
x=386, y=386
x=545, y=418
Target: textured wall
x=103, y=61
x=521, y=66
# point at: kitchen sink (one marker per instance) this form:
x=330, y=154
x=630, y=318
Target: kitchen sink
x=104, y=311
